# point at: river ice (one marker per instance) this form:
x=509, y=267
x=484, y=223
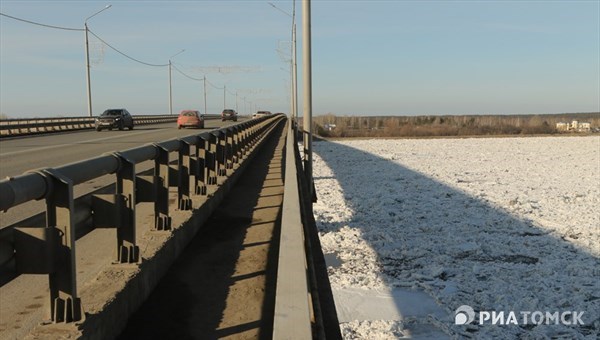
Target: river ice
x=414, y=228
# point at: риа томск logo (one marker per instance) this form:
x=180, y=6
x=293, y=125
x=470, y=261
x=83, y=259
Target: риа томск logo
x=466, y=315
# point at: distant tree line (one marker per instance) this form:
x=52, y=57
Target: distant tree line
x=330, y=125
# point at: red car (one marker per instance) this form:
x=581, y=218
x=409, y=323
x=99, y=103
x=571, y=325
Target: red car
x=190, y=118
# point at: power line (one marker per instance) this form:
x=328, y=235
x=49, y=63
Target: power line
x=43, y=25
x=83, y=29
x=216, y=87
x=185, y=75
x=125, y=55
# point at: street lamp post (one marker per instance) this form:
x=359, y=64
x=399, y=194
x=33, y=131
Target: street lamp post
x=293, y=69
x=307, y=115
x=170, y=85
x=205, y=95
x=87, y=60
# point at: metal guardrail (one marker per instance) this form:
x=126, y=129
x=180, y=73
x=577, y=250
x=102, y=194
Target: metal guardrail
x=293, y=309
x=304, y=305
x=20, y=127
x=49, y=248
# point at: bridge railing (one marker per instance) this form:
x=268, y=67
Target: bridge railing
x=19, y=127
x=294, y=314
x=304, y=306
x=46, y=243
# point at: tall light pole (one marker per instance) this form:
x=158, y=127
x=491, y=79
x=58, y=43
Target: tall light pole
x=294, y=112
x=87, y=60
x=293, y=68
x=170, y=86
x=224, y=96
x=205, y=95
x=307, y=76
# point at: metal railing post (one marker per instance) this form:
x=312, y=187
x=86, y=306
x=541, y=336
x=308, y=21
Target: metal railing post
x=229, y=155
x=184, y=201
x=127, y=249
x=64, y=301
x=211, y=159
x=161, y=187
x=201, y=175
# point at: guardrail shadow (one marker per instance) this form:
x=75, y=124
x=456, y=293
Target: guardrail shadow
x=457, y=248
x=214, y=289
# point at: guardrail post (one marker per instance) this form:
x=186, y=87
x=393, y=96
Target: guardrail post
x=64, y=302
x=199, y=168
x=162, y=220
x=237, y=142
x=221, y=153
x=127, y=250
x=241, y=140
x=229, y=145
x=184, y=201
x=211, y=159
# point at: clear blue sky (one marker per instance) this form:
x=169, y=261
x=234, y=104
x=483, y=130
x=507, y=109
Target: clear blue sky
x=369, y=57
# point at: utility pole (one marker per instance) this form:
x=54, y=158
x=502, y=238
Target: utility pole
x=170, y=86
x=87, y=68
x=205, y=95
x=307, y=119
x=294, y=112
x=87, y=60
x=170, y=91
x=293, y=64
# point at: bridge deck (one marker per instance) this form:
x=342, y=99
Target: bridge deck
x=224, y=282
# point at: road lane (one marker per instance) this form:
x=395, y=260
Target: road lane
x=24, y=300
x=36, y=152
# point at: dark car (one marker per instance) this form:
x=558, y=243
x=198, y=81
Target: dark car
x=190, y=118
x=229, y=114
x=114, y=119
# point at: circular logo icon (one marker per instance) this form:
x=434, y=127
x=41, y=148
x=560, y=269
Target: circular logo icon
x=464, y=315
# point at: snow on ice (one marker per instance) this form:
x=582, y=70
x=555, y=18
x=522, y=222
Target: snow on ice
x=414, y=228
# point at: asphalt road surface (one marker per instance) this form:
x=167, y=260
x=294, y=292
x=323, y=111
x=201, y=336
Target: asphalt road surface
x=23, y=301
x=18, y=155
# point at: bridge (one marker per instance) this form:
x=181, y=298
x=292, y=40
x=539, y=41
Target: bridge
x=159, y=232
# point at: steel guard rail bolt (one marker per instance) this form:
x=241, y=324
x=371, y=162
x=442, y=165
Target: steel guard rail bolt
x=51, y=249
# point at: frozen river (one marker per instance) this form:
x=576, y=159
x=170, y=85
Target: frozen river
x=415, y=228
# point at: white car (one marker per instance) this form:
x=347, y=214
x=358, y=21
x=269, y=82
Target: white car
x=259, y=114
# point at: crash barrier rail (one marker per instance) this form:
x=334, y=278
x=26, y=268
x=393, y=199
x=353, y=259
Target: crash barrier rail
x=20, y=127
x=304, y=305
x=45, y=244
x=293, y=309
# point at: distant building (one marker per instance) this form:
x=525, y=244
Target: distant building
x=330, y=127
x=574, y=126
x=562, y=126
x=585, y=127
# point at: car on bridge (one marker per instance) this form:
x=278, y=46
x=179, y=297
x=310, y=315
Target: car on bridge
x=229, y=114
x=190, y=118
x=259, y=114
x=114, y=119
